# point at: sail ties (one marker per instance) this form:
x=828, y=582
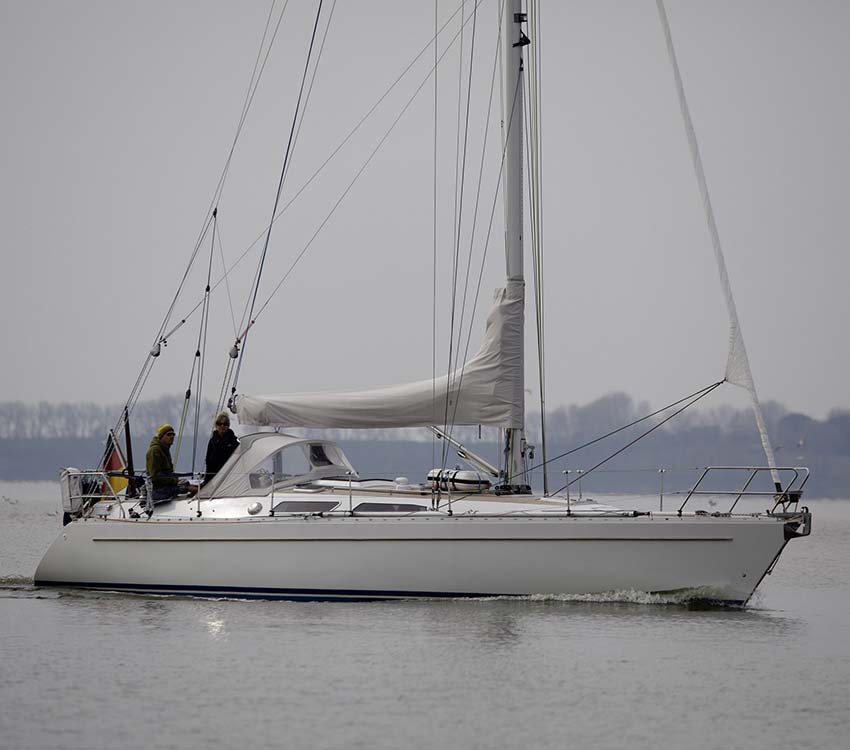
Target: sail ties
x=738, y=370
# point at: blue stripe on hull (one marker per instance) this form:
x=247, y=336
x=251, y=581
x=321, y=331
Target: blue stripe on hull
x=252, y=592
x=301, y=595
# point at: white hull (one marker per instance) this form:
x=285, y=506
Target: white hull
x=373, y=557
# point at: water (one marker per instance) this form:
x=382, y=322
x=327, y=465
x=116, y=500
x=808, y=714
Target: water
x=90, y=670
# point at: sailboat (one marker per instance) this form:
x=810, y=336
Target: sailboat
x=289, y=517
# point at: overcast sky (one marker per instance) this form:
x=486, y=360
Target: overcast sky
x=118, y=117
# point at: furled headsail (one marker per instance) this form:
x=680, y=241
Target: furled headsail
x=738, y=370
x=487, y=390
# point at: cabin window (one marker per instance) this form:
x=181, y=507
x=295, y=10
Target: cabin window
x=282, y=465
x=318, y=457
x=389, y=508
x=260, y=479
x=305, y=506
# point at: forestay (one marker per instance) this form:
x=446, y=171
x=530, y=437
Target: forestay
x=487, y=390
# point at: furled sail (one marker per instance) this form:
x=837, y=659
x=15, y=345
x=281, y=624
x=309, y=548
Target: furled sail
x=738, y=370
x=487, y=390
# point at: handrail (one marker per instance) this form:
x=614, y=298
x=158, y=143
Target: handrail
x=789, y=496
x=93, y=487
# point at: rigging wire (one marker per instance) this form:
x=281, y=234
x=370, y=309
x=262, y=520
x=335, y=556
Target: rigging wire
x=227, y=284
x=478, y=190
x=434, y=252
x=161, y=339
x=457, y=185
x=313, y=76
x=202, y=349
x=350, y=135
x=692, y=399
x=626, y=426
x=452, y=370
x=183, y=414
x=349, y=187
x=486, y=248
x=249, y=96
x=462, y=193
x=232, y=368
x=457, y=223
x=148, y=363
x=222, y=396
x=279, y=190
x=298, y=129
x=196, y=372
x=229, y=368
x=333, y=153
x=535, y=176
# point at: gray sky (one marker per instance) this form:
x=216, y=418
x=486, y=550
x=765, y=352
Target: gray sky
x=117, y=119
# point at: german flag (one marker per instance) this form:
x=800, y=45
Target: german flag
x=113, y=460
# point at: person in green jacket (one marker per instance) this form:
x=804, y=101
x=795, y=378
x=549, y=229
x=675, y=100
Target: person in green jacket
x=159, y=466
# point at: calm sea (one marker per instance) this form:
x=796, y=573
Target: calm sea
x=106, y=670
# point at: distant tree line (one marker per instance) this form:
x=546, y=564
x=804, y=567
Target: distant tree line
x=564, y=425
x=87, y=420
x=37, y=438
x=695, y=439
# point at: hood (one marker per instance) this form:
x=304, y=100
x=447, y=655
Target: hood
x=156, y=442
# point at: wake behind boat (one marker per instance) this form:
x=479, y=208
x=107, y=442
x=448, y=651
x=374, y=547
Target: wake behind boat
x=288, y=516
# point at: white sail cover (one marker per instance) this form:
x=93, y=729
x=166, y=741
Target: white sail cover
x=487, y=390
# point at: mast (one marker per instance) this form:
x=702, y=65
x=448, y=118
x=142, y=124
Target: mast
x=513, y=40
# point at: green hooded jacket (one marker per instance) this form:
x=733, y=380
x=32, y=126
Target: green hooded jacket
x=159, y=465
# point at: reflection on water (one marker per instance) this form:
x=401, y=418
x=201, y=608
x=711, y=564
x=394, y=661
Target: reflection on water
x=215, y=626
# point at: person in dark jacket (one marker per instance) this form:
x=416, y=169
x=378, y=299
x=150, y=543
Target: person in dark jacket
x=221, y=446
x=160, y=467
